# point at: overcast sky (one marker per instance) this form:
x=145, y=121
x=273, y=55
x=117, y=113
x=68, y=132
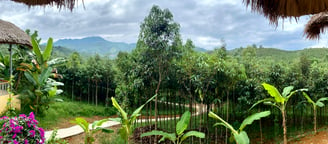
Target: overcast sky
x=205, y=22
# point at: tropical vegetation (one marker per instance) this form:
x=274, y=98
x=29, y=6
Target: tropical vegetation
x=166, y=73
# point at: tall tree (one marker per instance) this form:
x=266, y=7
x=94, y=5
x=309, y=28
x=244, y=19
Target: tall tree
x=95, y=68
x=157, y=35
x=108, y=76
x=73, y=65
x=305, y=65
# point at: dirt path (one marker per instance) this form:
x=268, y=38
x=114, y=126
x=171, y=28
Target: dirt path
x=320, y=138
x=76, y=130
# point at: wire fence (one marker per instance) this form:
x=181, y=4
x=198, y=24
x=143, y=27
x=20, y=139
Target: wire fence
x=173, y=103
x=4, y=88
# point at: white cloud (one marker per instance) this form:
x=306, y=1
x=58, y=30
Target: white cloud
x=323, y=42
x=206, y=42
x=212, y=3
x=292, y=25
x=203, y=21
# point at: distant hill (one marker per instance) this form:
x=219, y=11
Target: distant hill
x=93, y=45
x=311, y=53
x=281, y=55
x=60, y=51
x=199, y=49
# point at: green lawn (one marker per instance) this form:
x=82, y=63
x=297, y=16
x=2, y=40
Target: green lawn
x=69, y=110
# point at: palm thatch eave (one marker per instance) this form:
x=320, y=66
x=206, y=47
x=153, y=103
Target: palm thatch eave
x=316, y=25
x=276, y=9
x=70, y=4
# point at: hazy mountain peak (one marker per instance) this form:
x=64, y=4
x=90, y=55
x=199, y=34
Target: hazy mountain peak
x=94, y=38
x=95, y=44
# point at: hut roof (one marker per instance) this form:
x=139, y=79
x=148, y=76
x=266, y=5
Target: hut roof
x=11, y=34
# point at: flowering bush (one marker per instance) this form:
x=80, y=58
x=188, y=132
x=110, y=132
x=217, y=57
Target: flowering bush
x=21, y=130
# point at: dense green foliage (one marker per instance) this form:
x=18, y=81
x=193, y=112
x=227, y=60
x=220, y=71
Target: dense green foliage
x=217, y=74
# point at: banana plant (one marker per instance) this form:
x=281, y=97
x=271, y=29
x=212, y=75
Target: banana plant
x=127, y=123
x=41, y=88
x=178, y=136
x=279, y=101
x=95, y=127
x=240, y=136
x=318, y=103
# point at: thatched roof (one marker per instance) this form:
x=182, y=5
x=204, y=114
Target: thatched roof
x=11, y=34
x=317, y=24
x=275, y=9
x=59, y=3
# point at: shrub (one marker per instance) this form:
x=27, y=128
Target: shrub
x=21, y=130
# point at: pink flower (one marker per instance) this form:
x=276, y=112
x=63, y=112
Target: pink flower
x=14, y=136
x=31, y=116
x=31, y=133
x=22, y=115
x=17, y=129
x=21, y=130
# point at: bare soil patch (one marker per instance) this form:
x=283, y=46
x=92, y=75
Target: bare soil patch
x=320, y=138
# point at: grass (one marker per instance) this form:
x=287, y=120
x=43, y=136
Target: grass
x=68, y=110
x=113, y=139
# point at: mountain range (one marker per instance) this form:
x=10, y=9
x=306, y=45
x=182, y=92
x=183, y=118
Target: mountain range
x=91, y=45
x=95, y=44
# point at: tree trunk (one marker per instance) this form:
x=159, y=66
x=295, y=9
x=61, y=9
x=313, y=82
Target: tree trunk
x=107, y=91
x=18, y=81
x=73, y=91
x=284, y=124
x=81, y=93
x=315, y=120
x=227, y=114
x=96, y=93
x=200, y=119
x=156, y=98
x=88, y=91
x=261, y=135
x=190, y=109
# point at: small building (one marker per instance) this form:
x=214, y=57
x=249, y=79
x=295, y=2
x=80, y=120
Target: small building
x=4, y=96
